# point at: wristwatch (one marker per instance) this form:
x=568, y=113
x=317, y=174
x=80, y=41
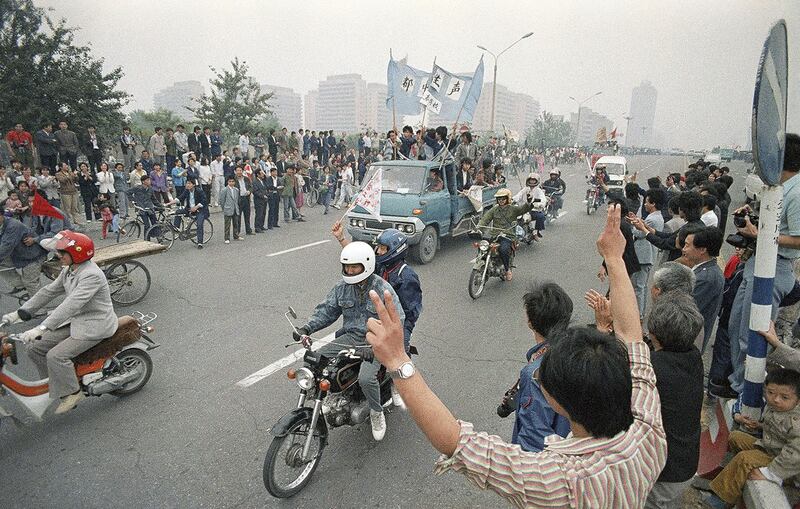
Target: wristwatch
x=404, y=371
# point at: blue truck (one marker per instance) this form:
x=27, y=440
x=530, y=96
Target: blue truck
x=422, y=214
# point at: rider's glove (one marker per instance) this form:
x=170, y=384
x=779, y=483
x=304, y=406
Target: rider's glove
x=11, y=318
x=30, y=335
x=299, y=333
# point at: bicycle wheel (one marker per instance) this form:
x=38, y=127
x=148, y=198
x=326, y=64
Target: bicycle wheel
x=129, y=230
x=312, y=196
x=163, y=233
x=208, y=231
x=128, y=282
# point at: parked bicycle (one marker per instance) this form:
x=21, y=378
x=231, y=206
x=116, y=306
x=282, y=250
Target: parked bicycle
x=165, y=231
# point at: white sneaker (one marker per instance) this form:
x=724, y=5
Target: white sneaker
x=227, y=241
x=69, y=402
x=378, y=425
x=397, y=399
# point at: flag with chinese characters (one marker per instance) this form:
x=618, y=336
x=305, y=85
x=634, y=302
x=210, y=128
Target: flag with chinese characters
x=370, y=196
x=448, y=94
x=405, y=85
x=475, y=195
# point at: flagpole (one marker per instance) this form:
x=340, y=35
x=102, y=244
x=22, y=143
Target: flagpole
x=453, y=133
x=353, y=202
x=425, y=106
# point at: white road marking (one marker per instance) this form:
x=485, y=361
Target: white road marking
x=299, y=247
x=282, y=363
x=562, y=214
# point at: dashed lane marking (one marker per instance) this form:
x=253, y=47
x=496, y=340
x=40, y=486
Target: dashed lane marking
x=282, y=363
x=299, y=247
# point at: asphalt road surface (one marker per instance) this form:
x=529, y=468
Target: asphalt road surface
x=194, y=438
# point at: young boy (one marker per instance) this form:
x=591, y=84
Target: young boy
x=773, y=457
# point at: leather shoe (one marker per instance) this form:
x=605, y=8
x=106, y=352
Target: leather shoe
x=69, y=402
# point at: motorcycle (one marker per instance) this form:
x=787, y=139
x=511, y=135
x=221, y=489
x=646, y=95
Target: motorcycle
x=592, y=198
x=551, y=212
x=331, y=386
x=487, y=262
x=119, y=365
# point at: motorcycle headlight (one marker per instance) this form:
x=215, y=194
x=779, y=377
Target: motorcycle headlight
x=484, y=245
x=305, y=379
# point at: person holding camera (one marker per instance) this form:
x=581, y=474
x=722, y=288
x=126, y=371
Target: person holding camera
x=788, y=252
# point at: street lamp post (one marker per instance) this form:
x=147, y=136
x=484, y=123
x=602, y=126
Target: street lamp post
x=494, y=83
x=628, y=119
x=580, y=105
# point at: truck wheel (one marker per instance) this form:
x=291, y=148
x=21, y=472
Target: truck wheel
x=425, y=250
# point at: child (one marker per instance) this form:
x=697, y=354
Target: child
x=773, y=457
x=13, y=205
x=109, y=217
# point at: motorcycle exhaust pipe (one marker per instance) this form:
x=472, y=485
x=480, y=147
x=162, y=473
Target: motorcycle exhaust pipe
x=110, y=384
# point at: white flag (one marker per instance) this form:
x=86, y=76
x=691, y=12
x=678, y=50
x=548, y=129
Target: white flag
x=437, y=78
x=475, y=195
x=370, y=196
x=432, y=103
x=454, y=88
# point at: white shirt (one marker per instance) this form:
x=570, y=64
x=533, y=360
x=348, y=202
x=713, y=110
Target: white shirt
x=244, y=144
x=710, y=219
x=217, y=168
x=367, y=142
x=537, y=193
x=106, y=180
x=204, y=171
x=181, y=141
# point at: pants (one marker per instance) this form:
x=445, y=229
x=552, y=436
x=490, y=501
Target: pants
x=236, y=227
x=274, y=203
x=200, y=219
x=53, y=355
x=149, y=219
x=261, y=214
x=559, y=201
x=450, y=173
x=206, y=189
x=787, y=316
x=721, y=367
x=505, y=252
x=639, y=280
x=244, y=210
x=289, y=204
x=739, y=325
x=538, y=218
x=71, y=159
x=216, y=187
x=49, y=161
x=87, y=205
x=27, y=276
x=729, y=484
x=161, y=196
x=170, y=163
x=666, y=495
x=345, y=195
x=160, y=159
x=70, y=203
x=95, y=157
x=367, y=375
x=122, y=203
x=129, y=159
x=179, y=191
x=326, y=200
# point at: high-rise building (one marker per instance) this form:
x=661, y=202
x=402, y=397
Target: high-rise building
x=286, y=105
x=642, y=113
x=310, y=109
x=590, y=123
x=513, y=110
x=342, y=104
x=379, y=117
x=180, y=96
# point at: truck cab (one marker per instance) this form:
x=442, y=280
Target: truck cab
x=617, y=169
x=422, y=212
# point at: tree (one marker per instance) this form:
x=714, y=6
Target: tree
x=548, y=131
x=143, y=123
x=236, y=102
x=46, y=77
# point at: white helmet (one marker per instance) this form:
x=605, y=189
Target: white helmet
x=358, y=253
x=555, y=171
x=534, y=176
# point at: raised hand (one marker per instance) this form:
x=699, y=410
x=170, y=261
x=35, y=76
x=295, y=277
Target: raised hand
x=386, y=334
x=611, y=243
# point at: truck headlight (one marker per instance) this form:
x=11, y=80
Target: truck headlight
x=353, y=222
x=305, y=379
x=360, y=223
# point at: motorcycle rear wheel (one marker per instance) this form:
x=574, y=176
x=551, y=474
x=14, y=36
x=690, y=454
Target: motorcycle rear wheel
x=476, y=283
x=287, y=451
x=134, y=359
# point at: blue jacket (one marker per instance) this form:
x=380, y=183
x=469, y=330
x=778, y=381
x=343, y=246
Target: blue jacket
x=11, y=234
x=353, y=304
x=406, y=285
x=535, y=419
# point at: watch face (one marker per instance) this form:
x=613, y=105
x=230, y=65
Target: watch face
x=406, y=370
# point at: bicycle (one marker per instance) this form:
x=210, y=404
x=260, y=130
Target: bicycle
x=165, y=231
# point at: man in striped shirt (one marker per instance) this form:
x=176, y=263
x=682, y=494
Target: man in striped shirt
x=617, y=446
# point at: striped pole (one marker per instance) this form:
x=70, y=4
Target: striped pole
x=761, y=307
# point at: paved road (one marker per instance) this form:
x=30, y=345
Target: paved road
x=193, y=438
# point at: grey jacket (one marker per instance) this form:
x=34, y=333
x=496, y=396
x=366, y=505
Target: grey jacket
x=67, y=142
x=354, y=305
x=708, y=286
x=11, y=234
x=229, y=200
x=645, y=251
x=87, y=304
x=46, y=143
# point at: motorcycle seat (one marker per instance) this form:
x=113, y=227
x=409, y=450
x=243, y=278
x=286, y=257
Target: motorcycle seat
x=128, y=332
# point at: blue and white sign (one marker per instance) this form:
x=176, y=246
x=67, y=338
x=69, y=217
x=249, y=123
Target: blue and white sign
x=769, y=106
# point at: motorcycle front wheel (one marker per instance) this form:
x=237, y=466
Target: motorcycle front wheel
x=476, y=283
x=285, y=473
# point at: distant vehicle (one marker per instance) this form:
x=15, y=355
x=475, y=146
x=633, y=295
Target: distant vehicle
x=616, y=168
x=712, y=159
x=695, y=153
x=752, y=185
x=726, y=154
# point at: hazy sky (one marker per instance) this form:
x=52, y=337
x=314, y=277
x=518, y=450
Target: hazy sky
x=700, y=55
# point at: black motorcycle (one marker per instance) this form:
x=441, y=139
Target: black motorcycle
x=330, y=396
x=487, y=262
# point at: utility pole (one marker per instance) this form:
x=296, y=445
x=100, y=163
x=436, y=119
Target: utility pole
x=494, y=83
x=627, y=127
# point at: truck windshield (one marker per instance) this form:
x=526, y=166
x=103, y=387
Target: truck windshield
x=614, y=169
x=397, y=179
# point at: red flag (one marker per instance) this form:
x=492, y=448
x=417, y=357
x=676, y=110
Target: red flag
x=42, y=208
x=614, y=133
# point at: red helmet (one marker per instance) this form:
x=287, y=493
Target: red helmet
x=79, y=246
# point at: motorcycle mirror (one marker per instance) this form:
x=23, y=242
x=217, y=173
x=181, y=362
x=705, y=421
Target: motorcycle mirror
x=292, y=312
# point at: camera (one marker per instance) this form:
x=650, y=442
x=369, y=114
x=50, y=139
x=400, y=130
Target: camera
x=740, y=219
x=509, y=403
x=740, y=241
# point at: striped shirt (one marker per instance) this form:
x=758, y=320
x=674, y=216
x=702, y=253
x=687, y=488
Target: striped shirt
x=615, y=472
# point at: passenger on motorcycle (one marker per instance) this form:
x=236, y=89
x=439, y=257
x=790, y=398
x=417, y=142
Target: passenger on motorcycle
x=599, y=179
x=534, y=195
x=86, y=309
x=555, y=187
x=349, y=298
x=503, y=218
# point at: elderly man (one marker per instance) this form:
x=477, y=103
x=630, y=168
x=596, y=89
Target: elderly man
x=20, y=259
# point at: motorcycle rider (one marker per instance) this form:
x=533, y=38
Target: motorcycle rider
x=599, y=179
x=86, y=310
x=535, y=195
x=503, y=219
x=555, y=187
x=349, y=298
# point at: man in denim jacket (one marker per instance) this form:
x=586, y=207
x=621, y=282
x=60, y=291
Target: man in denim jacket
x=350, y=299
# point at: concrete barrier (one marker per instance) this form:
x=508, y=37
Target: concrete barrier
x=764, y=495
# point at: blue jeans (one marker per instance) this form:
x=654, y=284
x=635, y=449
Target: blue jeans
x=368, y=372
x=505, y=252
x=326, y=200
x=149, y=219
x=739, y=325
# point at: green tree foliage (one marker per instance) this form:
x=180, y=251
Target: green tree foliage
x=45, y=76
x=549, y=131
x=143, y=123
x=236, y=102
